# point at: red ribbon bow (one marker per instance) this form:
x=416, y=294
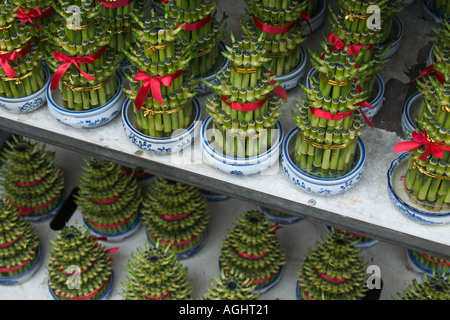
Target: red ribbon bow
x=12, y=56
x=305, y=16
x=196, y=25
x=68, y=61
x=353, y=49
x=429, y=70
x=420, y=139
x=36, y=13
x=154, y=84
x=364, y=104
x=115, y=4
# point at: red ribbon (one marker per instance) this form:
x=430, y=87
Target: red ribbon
x=305, y=16
x=158, y=297
x=108, y=201
x=7, y=244
x=432, y=260
x=89, y=296
x=12, y=56
x=364, y=104
x=181, y=216
x=154, y=84
x=420, y=139
x=273, y=29
x=36, y=13
x=245, y=106
x=15, y=267
x=177, y=243
x=328, y=115
x=111, y=225
x=262, y=280
x=252, y=256
x=334, y=280
x=115, y=4
x=24, y=210
x=429, y=70
x=68, y=61
x=30, y=184
x=196, y=25
x=353, y=49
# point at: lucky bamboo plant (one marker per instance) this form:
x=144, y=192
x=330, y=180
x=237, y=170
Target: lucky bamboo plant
x=175, y=214
x=429, y=288
x=437, y=264
x=278, y=26
x=246, y=103
x=331, y=118
x=252, y=251
x=79, y=267
x=161, y=90
x=231, y=287
x=19, y=243
x=156, y=274
x=21, y=72
x=118, y=15
x=202, y=29
x=108, y=199
x=333, y=270
x=442, y=7
x=80, y=55
x=31, y=180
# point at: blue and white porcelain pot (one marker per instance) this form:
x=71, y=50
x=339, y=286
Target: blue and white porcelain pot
x=180, y=140
x=420, y=268
x=409, y=114
x=315, y=185
x=27, y=274
x=212, y=78
x=318, y=19
x=115, y=237
x=281, y=219
x=376, y=103
x=402, y=200
x=188, y=253
x=29, y=103
x=48, y=215
x=363, y=244
x=430, y=15
x=292, y=79
x=239, y=166
x=397, y=31
x=213, y=197
x=86, y=119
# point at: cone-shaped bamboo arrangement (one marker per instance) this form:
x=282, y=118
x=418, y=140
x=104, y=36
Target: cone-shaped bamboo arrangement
x=79, y=268
x=35, y=13
x=21, y=72
x=245, y=107
x=429, y=262
x=430, y=288
x=442, y=8
x=31, y=180
x=117, y=14
x=252, y=251
x=330, y=118
x=175, y=214
x=231, y=287
x=19, y=244
x=79, y=54
x=202, y=29
x=161, y=90
x=428, y=173
x=108, y=199
x=278, y=26
x=333, y=270
x=156, y=274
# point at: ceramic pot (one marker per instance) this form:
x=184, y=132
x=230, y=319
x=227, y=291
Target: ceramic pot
x=292, y=79
x=281, y=219
x=430, y=15
x=420, y=268
x=115, y=237
x=397, y=31
x=409, y=114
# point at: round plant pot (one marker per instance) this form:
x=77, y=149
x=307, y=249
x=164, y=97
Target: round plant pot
x=263, y=288
x=124, y=68
x=239, y=166
x=105, y=296
x=292, y=79
x=318, y=19
x=315, y=185
x=378, y=92
x=408, y=2
x=214, y=197
x=26, y=275
x=281, y=219
x=179, y=140
x=28, y=103
x=361, y=244
x=409, y=114
x=118, y=236
x=430, y=15
x=85, y=119
x=212, y=78
x=430, y=59
x=396, y=35
x=48, y=215
x=188, y=253
x=420, y=268
x=402, y=201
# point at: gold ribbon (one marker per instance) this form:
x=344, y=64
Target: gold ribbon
x=151, y=113
x=80, y=28
x=202, y=53
x=245, y=70
x=240, y=136
x=6, y=27
x=324, y=146
x=335, y=83
x=445, y=108
x=153, y=48
x=18, y=80
x=427, y=173
x=352, y=16
x=86, y=89
x=120, y=31
x=281, y=54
